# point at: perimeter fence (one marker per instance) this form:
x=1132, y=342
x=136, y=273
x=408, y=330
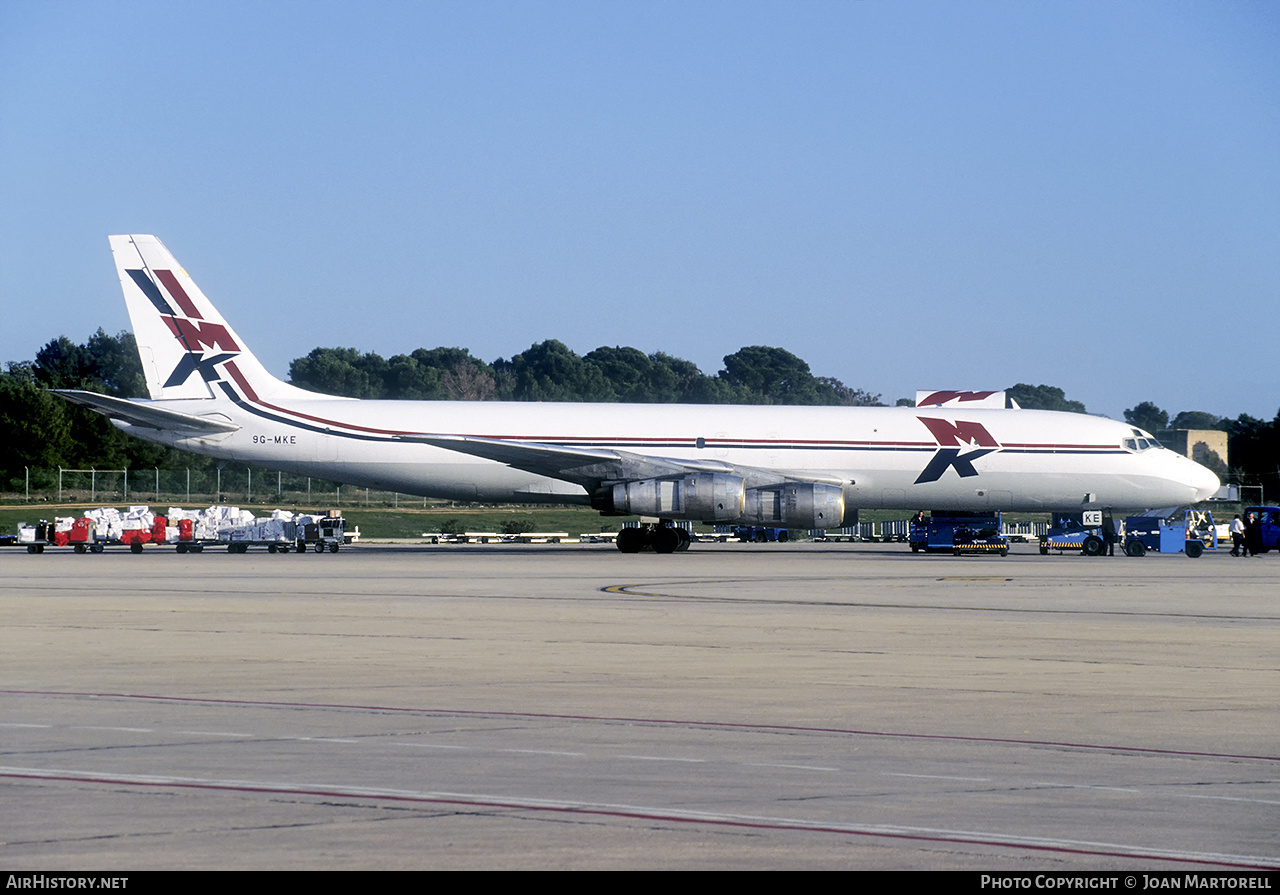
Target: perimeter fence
x=193, y=487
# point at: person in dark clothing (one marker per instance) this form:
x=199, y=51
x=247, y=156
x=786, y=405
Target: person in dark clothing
x=1109, y=534
x=1252, y=536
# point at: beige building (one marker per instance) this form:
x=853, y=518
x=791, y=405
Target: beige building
x=1201, y=445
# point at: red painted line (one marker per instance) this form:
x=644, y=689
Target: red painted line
x=253, y=397
x=179, y=294
x=646, y=815
x=672, y=722
x=230, y=367
x=1062, y=447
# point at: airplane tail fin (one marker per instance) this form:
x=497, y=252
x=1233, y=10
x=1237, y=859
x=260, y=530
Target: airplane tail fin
x=187, y=349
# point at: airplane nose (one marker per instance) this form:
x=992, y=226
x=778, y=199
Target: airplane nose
x=1204, y=482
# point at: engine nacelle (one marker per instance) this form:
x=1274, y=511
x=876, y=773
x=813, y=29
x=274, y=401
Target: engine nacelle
x=703, y=497
x=796, y=505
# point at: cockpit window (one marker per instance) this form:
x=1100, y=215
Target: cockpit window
x=1141, y=441
x=1143, y=437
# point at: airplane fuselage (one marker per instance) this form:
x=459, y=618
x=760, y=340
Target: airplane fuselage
x=894, y=458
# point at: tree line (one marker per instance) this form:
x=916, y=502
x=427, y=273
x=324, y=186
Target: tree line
x=551, y=371
x=43, y=431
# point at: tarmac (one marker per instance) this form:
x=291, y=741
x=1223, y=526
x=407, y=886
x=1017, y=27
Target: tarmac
x=816, y=706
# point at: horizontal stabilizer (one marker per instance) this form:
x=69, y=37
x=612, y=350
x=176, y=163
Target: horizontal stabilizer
x=144, y=413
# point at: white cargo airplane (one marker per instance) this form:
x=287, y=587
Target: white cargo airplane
x=798, y=467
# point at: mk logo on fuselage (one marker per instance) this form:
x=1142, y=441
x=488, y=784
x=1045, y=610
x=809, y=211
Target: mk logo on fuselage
x=939, y=398
x=963, y=435
x=193, y=332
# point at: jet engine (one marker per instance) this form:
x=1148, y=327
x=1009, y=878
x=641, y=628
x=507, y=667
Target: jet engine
x=796, y=505
x=716, y=497
x=703, y=496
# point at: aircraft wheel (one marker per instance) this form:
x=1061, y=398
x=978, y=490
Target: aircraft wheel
x=1135, y=548
x=631, y=540
x=665, y=540
x=685, y=540
x=1092, y=546
x=1194, y=549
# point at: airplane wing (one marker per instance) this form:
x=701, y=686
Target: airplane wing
x=144, y=414
x=592, y=467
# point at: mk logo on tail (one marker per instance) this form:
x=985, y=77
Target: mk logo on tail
x=962, y=433
x=188, y=326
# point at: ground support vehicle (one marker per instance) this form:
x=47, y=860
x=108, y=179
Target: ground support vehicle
x=980, y=540
x=1191, y=532
x=1068, y=532
x=279, y=535
x=83, y=536
x=1268, y=527
x=186, y=531
x=34, y=537
x=185, y=539
x=761, y=534
x=322, y=533
x=957, y=533
x=135, y=537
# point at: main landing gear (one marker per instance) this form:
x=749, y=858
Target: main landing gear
x=664, y=538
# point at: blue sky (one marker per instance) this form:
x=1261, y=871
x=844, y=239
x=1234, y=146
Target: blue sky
x=907, y=195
